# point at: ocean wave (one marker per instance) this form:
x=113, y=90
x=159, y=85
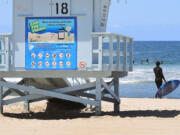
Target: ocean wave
x=136, y=81
x=151, y=72
x=146, y=75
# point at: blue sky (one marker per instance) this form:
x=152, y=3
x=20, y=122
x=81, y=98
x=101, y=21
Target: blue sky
x=5, y=16
x=141, y=19
x=146, y=19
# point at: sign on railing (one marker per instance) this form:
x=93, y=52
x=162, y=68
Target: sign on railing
x=51, y=43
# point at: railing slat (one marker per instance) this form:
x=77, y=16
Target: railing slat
x=125, y=55
x=118, y=52
x=110, y=52
x=100, y=55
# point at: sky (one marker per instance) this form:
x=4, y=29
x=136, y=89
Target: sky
x=144, y=20
x=5, y=16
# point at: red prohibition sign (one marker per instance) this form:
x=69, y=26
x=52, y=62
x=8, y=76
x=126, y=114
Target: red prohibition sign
x=82, y=64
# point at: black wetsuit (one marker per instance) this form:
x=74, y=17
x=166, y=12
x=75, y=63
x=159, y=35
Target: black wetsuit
x=158, y=76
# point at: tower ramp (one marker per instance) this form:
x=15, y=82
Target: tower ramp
x=51, y=84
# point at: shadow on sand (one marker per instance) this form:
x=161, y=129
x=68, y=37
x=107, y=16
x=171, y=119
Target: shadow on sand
x=76, y=114
x=58, y=109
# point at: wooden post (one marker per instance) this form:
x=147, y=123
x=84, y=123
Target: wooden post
x=118, y=51
x=131, y=55
x=1, y=99
x=98, y=96
x=116, y=91
x=27, y=103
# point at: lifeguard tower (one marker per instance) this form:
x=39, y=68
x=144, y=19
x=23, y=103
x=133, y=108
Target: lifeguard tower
x=56, y=46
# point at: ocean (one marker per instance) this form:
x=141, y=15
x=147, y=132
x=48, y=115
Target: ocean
x=140, y=82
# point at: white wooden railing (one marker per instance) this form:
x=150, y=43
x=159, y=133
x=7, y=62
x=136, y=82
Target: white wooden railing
x=112, y=52
x=5, y=41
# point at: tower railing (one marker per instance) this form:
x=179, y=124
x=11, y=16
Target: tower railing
x=5, y=58
x=112, y=52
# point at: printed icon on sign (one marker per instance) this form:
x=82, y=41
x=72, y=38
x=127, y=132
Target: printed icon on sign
x=31, y=47
x=54, y=55
x=61, y=55
x=61, y=34
x=61, y=63
x=47, y=55
x=68, y=63
x=40, y=55
x=47, y=64
x=54, y=63
x=33, y=63
x=68, y=29
x=40, y=63
x=33, y=55
x=68, y=55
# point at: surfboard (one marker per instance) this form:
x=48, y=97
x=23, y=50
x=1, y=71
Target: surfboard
x=167, y=88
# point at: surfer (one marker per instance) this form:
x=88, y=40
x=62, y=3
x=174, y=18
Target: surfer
x=133, y=61
x=147, y=61
x=159, y=77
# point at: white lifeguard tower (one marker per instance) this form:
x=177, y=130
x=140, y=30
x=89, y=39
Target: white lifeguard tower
x=56, y=46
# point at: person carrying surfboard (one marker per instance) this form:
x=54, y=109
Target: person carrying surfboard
x=159, y=77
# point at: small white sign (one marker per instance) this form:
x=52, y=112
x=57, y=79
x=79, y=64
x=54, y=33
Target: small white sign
x=61, y=8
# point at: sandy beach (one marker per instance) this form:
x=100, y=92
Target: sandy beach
x=137, y=117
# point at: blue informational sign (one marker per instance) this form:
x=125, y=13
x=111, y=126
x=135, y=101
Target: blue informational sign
x=51, y=43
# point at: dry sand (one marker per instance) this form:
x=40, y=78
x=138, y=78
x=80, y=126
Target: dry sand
x=137, y=117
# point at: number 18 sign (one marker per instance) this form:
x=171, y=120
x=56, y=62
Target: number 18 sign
x=61, y=8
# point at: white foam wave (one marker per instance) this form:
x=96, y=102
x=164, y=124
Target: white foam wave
x=146, y=75
x=135, y=81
